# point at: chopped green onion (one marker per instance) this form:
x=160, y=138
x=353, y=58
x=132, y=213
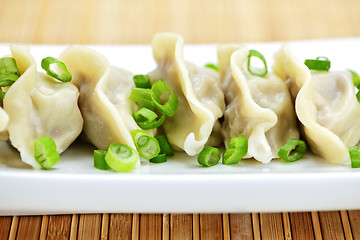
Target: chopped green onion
x=255, y=70
x=209, y=156
x=164, y=98
x=164, y=145
x=147, y=146
x=142, y=81
x=318, y=64
x=142, y=96
x=7, y=79
x=240, y=143
x=8, y=65
x=161, y=158
x=45, y=152
x=212, y=66
x=146, y=119
x=354, y=156
x=121, y=157
x=99, y=160
x=56, y=69
x=2, y=94
x=358, y=96
x=232, y=156
x=356, y=78
x=293, y=150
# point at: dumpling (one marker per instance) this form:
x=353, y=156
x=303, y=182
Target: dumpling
x=38, y=105
x=201, y=100
x=259, y=108
x=325, y=104
x=104, y=97
x=4, y=121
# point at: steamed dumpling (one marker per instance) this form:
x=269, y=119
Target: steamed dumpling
x=259, y=108
x=104, y=97
x=325, y=104
x=4, y=121
x=201, y=100
x=38, y=105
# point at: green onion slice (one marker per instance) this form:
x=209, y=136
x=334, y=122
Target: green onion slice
x=318, y=64
x=8, y=66
x=2, y=94
x=7, y=79
x=358, y=96
x=147, y=146
x=240, y=143
x=142, y=96
x=121, y=157
x=45, y=152
x=209, y=156
x=146, y=119
x=354, y=156
x=212, y=66
x=232, y=156
x=164, y=145
x=99, y=160
x=56, y=69
x=164, y=98
x=161, y=158
x=293, y=150
x=356, y=78
x=142, y=81
x=256, y=70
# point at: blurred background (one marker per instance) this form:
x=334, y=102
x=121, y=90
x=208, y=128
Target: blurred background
x=199, y=21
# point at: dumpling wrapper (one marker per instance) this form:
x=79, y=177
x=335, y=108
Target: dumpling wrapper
x=201, y=100
x=38, y=105
x=259, y=108
x=326, y=105
x=104, y=97
x=4, y=121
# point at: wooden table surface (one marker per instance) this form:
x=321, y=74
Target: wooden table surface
x=210, y=21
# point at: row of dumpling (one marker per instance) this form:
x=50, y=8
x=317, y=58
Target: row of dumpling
x=96, y=102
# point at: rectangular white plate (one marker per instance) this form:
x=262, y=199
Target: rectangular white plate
x=181, y=185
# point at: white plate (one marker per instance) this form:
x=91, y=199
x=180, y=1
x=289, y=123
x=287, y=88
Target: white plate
x=181, y=185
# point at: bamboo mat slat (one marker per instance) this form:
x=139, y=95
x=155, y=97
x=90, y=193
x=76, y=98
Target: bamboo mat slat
x=150, y=226
x=271, y=225
x=89, y=226
x=5, y=224
x=59, y=227
x=181, y=226
x=331, y=225
x=211, y=226
x=120, y=226
x=354, y=218
x=29, y=227
x=241, y=226
x=301, y=226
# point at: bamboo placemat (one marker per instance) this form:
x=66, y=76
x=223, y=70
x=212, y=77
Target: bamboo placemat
x=200, y=21
x=303, y=225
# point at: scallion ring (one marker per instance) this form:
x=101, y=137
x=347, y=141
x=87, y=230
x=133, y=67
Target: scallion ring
x=354, y=156
x=209, y=156
x=142, y=81
x=99, y=160
x=8, y=65
x=293, y=150
x=164, y=145
x=164, y=98
x=147, y=146
x=142, y=96
x=7, y=79
x=356, y=78
x=212, y=66
x=146, y=118
x=256, y=70
x=318, y=64
x=240, y=143
x=121, y=157
x=56, y=69
x=232, y=156
x=45, y=152
x=161, y=158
